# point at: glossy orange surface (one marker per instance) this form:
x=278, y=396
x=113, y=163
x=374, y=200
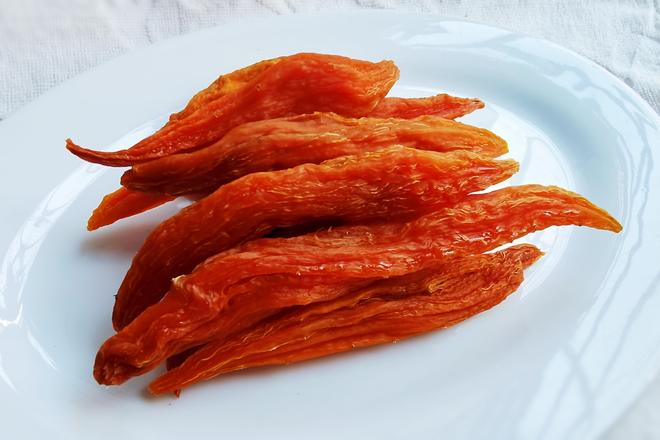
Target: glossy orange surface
x=384, y=311
x=281, y=143
x=188, y=314
x=300, y=83
x=396, y=182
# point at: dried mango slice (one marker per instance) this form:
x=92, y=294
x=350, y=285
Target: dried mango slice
x=392, y=183
x=223, y=85
x=287, y=142
x=282, y=143
x=187, y=315
x=444, y=105
x=384, y=311
x=297, y=84
x=124, y=203
x=449, y=107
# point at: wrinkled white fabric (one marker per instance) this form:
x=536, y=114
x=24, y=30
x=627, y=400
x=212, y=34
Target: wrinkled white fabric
x=43, y=42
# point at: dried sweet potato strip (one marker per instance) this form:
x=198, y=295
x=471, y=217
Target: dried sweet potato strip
x=475, y=224
x=223, y=85
x=185, y=317
x=443, y=105
x=301, y=83
x=385, y=311
x=394, y=182
x=250, y=305
x=282, y=143
x=287, y=142
x=266, y=145
x=377, y=331
x=124, y=203
x=261, y=297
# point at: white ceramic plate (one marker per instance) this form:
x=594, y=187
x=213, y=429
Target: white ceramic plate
x=561, y=359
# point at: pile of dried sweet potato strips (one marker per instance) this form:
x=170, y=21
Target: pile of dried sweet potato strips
x=331, y=217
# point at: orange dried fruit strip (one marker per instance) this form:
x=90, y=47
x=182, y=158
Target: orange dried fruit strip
x=282, y=143
x=145, y=177
x=223, y=85
x=287, y=142
x=394, y=182
x=254, y=299
x=301, y=83
x=124, y=203
x=188, y=314
x=260, y=297
x=384, y=311
x=443, y=105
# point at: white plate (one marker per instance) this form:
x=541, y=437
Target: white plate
x=561, y=359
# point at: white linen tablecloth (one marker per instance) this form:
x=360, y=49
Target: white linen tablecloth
x=43, y=42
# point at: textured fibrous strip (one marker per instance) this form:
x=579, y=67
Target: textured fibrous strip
x=287, y=142
x=223, y=85
x=142, y=177
x=392, y=183
x=444, y=105
x=124, y=203
x=384, y=311
x=254, y=299
x=297, y=84
x=261, y=297
x=185, y=317
x=243, y=150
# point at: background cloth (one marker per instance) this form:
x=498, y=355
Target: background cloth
x=43, y=42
